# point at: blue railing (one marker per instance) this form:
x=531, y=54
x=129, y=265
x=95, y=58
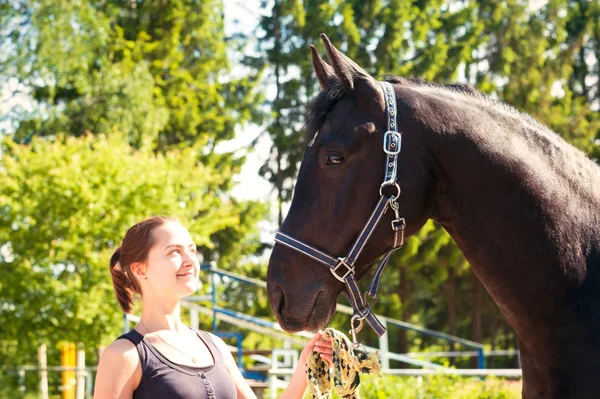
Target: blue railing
x=450, y=338
x=214, y=271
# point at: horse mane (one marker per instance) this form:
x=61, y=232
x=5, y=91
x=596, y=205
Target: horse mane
x=546, y=140
x=327, y=99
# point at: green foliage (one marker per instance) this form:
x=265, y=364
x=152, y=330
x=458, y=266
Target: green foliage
x=158, y=72
x=436, y=387
x=65, y=205
x=151, y=81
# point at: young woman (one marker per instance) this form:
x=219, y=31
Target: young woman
x=162, y=357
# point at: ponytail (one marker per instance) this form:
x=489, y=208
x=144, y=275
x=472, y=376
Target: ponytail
x=123, y=285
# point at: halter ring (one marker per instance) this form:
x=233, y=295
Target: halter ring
x=395, y=184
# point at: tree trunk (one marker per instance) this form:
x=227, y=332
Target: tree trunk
x=278, y=95
x=279, y=180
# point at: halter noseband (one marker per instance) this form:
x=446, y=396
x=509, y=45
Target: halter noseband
x=343, y=269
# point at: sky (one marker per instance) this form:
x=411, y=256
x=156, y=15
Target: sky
x=242, y=16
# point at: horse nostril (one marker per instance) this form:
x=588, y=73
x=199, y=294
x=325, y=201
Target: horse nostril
x=277, y=299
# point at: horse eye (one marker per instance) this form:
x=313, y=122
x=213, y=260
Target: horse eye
x=334, y=160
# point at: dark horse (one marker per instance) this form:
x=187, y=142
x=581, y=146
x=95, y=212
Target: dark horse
x=521, y=203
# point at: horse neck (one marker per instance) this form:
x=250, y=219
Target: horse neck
x=520, y=205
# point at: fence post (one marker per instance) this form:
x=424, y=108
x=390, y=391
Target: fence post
x=480, y=358
x=43, y=371
x=240, y=350
x=67, y=361
x=89, y=383
x=272, y=386
x=384, y=349
x=80, y=375
x=213, y=289
x=273, y=376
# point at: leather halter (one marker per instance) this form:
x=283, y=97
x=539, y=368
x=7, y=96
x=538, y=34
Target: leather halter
x=343, y=269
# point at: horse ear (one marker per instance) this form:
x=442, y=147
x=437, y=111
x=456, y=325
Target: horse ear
x=325, y=73
x=354, y=79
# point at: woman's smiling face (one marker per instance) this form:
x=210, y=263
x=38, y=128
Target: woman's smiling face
x=172, y=266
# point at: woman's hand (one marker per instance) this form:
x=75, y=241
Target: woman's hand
x=297, y=386
x=320, y=344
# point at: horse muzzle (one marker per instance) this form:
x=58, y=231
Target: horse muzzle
x=300, y=302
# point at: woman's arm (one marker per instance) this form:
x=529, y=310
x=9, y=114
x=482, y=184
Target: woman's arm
x=297, y=386
x=296, y=389
x=119, y=371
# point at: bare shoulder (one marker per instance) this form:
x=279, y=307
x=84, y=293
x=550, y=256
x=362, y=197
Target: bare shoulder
x=119, y=371
x=120, y=353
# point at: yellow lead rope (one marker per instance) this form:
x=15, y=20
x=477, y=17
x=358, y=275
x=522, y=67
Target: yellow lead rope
x=347, y=367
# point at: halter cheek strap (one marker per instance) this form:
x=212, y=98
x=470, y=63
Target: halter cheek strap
x=343, y=269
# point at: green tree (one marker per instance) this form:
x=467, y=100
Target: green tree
x=156, y=71
x=540, y=61
x=64, y=207
x=285, y=32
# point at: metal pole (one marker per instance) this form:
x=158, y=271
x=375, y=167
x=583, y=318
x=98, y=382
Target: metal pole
x=287, y=358
x=239, y=346
x=480, y=358
x=384, y=350
x=272, y=386
x=43, y=371
x=89, y=382
x=80, y=384
x=214, y=301
x=420, y=387
x=273, y=376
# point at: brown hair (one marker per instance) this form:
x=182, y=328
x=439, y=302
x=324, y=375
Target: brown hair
x=135, y=247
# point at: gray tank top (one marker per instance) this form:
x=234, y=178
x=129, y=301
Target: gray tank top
x=162, y=378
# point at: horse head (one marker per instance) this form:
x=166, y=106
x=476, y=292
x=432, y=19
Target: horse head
x=338, y=184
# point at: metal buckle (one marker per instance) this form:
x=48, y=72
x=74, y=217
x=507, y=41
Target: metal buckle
x=398, y=224
x=385, y=140
x=349, y=271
